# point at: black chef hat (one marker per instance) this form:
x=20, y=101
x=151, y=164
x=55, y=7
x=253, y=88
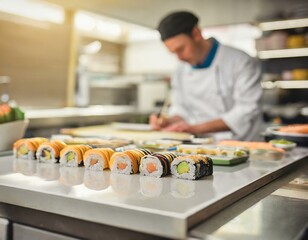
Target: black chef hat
x=177, y=23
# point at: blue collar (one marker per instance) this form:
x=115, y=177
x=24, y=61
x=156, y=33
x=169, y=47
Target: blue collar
x=210, y=57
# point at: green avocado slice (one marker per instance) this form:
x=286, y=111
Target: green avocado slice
x=183, y=167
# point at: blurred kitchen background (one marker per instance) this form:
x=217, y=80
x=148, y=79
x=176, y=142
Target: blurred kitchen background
x=74, y=63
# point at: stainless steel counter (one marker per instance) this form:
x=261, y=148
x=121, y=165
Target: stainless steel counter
x=164, y=207
x=277, y=211
x=61, y=117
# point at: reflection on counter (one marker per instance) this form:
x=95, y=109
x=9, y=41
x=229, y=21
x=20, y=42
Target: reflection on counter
x=152, y=187
x=124, y=184
x=48, y=172
x=181, y=188
x=96, y=180
x=70, y=176
x=25, y=167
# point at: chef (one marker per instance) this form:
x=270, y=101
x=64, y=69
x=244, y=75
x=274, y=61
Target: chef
x=215, y=89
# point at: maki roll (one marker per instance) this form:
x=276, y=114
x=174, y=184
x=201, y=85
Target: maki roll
x=192, y=167
x=26, y=148
x=97, y=158
x=49, y=152
x=157, y=164
x=72, y=156
x=126, y=162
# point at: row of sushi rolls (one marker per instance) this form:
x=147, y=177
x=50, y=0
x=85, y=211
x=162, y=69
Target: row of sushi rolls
x=190, y=162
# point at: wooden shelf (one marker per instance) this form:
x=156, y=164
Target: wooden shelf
x=283, y=53
x=284, y=24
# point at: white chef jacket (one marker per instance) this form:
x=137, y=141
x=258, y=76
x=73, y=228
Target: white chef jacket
x=228, y=89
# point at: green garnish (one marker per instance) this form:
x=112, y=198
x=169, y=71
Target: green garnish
x=239, y=153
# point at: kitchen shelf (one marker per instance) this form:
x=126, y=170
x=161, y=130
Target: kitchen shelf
x=284, y=24
x=292, y=84
x=283, y=53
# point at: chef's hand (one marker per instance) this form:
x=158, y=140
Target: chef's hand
x=158, y=123
x=182, y=126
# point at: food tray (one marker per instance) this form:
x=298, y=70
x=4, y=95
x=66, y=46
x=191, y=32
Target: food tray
x=219, y=154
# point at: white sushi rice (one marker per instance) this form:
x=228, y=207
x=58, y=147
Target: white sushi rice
x=150, y=159
x=71, y=163
x=122, y=159
x=99, y=166
x=188, y=175
x=39, y=154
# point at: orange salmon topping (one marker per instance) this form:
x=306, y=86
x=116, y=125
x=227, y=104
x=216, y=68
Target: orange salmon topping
x=93, y=161
x=151, y=167
x=122, y=166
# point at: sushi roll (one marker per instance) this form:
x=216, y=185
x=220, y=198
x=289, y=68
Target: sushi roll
x=123, y=162
x=192, y=167
x=156, y=165
x=26, y=148
x=49, y=152
x=126, y=162
x=97, y=159
x=72, y=156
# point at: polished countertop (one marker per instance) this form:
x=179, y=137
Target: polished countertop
x=166, y=207
x=277, y=211
x=46, y=117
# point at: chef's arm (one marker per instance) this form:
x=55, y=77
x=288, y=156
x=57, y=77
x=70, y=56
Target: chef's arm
x=217, y=125
x=205, y=127
x=247, y=99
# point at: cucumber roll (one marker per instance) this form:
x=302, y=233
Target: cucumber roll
x=192, y=167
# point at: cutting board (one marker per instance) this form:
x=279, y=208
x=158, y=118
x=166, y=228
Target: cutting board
x=111, y=131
